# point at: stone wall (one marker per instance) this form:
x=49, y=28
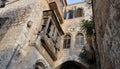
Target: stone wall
x=73, y=27
x=19, y=22
x=107, y=24
x=87, y=12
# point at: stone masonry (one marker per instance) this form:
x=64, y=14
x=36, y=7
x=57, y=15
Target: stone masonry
x=15, y=35
x=107, y=25
x=72, y=27
x=20, y=22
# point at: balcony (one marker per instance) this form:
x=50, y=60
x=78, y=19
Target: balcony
x=48, y=44
x=47, y=40
x=54, y=5
x=47, y=14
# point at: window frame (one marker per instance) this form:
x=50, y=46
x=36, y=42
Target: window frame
x=67, y=41
x=79, y=40
x=79, y=12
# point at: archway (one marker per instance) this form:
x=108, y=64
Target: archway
x=72, y=65
x=40, y=64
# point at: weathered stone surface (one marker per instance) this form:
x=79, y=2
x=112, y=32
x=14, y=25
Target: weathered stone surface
x=73, y=27
x=20, y=47
x=107, y=23
x=15, y=36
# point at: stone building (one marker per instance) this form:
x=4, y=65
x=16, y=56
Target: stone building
x=42, y=34
x=107, y=25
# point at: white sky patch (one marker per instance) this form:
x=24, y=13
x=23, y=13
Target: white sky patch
x=74, y=1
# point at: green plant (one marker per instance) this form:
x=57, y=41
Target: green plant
x=87, y=26
x=88, y=55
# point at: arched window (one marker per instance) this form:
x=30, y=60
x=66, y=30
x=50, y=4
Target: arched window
x=79, y=12
x=67, y=41
x=79, y=43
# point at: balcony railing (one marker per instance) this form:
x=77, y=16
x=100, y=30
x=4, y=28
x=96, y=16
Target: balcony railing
x=54, y=5
x=47, y=41
x=55, y=19
x=48, y=44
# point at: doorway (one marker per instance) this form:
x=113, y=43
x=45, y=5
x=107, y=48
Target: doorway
x=72, y=65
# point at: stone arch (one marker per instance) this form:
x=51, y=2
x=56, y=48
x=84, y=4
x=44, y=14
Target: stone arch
x=68, y=34
x=40, y=64
x=72, y=65
x=79, y=33
x=70, y=58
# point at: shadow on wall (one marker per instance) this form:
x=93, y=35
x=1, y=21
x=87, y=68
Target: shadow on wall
x=12, y=18
x=3, y=29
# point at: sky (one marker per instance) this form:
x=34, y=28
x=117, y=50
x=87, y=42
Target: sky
x=74, y=1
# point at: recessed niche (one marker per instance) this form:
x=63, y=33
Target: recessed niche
x=29, y=24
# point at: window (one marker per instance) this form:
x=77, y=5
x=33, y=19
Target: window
x=79, y=43
x=70, y=14
x=55, y=35
x=44, y=24
x=49, y=30
x=73, y=13
x=67, y=41
x=45, y=21
x=79, y=12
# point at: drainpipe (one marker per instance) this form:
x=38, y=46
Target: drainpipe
x=95, y=42
x=11, y=58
